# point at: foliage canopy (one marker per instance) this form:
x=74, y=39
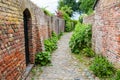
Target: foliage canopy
x=86, y=6
x=69, y=3
x=81, y=6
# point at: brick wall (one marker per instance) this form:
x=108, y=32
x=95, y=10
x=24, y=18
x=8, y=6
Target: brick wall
x=55, y=24
x=89, y=19
x=106, y=30
x=20, y=19
x=61, y=24
x=102, y=4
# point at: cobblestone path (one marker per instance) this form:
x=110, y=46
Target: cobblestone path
x=64, y=65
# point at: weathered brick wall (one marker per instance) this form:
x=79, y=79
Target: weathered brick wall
x=57, y=24
x=18, y=17
x=106, y=30
x=102, y=4
x=61, y=24
x=89, y=19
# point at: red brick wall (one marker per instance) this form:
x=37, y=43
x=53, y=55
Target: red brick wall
x=12, y=42
x=106, y=31
x=102, y=4
x=57, y=24
x=61, y=25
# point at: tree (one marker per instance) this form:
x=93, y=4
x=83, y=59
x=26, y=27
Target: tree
x=64, y=13
x=81, y=6
x=86, y=6
x=67, y=10
x=68, y=4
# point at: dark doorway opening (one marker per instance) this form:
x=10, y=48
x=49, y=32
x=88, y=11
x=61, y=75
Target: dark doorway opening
x=27, y=20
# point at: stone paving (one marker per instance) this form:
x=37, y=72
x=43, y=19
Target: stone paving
x=64, y=65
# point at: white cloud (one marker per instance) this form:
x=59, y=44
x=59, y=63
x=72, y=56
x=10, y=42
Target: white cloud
x=50, y=5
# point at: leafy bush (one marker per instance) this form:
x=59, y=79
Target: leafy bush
x=59, y=36
x=84, y=6
x=54, y=38
x=101, y=67
x=51, y=43
x=81, y=37
x=74, y=23
x=69, y=26
x=118, y=75
x=88, y=52
x=43, y=58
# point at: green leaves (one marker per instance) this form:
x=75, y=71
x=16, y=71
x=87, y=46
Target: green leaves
x=51, y=43
x=101, y=67
x=43, y=58
x=59, y=36
x=69, y=26
x=81, y=38
x=81, y=6
x=86, y=6
x=66, y=9
x=118, y=75
x=69, y=6
x=88, y=52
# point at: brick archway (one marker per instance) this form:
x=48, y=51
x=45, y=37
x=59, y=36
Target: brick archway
x=27, y=35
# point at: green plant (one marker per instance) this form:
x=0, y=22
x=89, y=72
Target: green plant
x=67, y=9
x=69, y=26
x=59, y=36
x=101, y=67
x=68, y=5
x=86, y=6
x=54, y=37
x=118, y=75
x=81, y=37
x=74, y=22
x=51, y=43
x=43, y=58
x=88, y=52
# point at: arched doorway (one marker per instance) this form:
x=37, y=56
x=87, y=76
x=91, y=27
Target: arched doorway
x=27, y=34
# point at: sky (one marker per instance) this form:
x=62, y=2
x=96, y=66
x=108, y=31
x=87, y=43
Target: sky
x=50, y=5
